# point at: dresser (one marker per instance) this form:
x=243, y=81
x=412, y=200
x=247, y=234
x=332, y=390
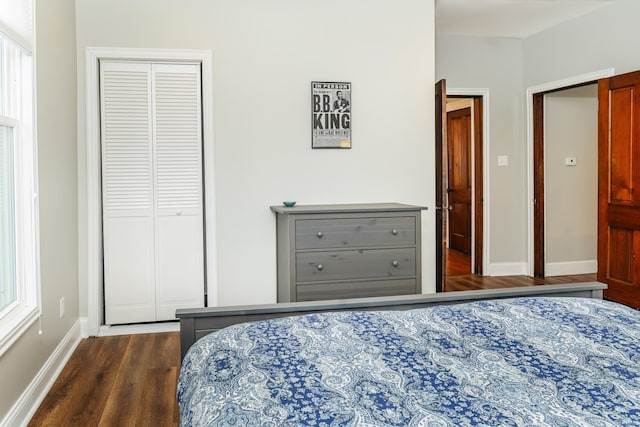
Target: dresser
x=348, y=251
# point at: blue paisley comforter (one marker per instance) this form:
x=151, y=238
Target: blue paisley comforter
x=519, y=362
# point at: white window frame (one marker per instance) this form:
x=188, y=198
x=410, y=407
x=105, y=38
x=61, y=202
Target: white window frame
x=17, y=317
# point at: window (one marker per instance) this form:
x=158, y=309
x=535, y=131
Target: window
x=18, y=190
x=8, y=291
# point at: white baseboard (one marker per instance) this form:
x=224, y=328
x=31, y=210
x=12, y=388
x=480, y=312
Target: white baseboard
x=27, y=405
x=142, y=328
x=508, y=269
x=574, y=267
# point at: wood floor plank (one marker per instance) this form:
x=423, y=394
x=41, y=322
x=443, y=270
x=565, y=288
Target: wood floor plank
x=53, y=406
x=474, y=282
x=97, y=388
x=107, y=378
x=85, y=383
x=164, y=346
x=123, y=406
x=159, y=402
x=458, y=264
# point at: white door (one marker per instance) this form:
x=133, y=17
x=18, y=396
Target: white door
x=178, y=189
x=152, y=190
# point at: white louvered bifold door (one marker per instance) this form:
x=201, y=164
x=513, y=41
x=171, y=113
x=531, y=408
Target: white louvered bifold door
x=178, y=188
x=152, y=208
x=127, y=192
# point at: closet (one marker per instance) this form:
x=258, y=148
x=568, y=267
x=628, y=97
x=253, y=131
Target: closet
x=152, y=195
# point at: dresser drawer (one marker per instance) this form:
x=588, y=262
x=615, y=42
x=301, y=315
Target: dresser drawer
x=355, y=232
x=342, y=290
x=355, y=264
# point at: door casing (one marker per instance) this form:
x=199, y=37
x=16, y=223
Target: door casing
x=95, y=297
x=480, y=247
x=480, y=194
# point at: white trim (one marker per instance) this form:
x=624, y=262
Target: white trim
x=84, y=327
x=546, y=87
x=11, y=34
x=21, y=412
x=484, y=93
x=144, y=328
x=94, y=191
x=507, y=269
x=15, y=323
x=17, y=317
x=573, y=267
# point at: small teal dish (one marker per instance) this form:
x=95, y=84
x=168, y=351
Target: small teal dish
x=289, y=204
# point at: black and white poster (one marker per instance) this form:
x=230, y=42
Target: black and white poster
x=330, y=115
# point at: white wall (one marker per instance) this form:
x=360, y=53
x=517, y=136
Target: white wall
x=571, y=199
x=56, y=128
x=607, y=37
x=266, y=53
x=495, y=64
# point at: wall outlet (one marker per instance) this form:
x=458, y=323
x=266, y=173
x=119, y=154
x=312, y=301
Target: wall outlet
x=61, y=307
x=570, y=161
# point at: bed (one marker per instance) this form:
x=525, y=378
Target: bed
x=478, y=359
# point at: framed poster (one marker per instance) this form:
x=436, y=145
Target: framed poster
x=330, y=115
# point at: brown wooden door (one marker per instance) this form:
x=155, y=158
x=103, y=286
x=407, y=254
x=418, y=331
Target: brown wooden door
x=478, y=201
x=538, y=185
x=460, y=181
x=619, y=187
x=441, y=184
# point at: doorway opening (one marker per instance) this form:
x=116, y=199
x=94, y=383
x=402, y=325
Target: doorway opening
x=464, y=184
x=566, y=180
x=562, y=119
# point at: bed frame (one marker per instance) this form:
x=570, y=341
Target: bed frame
x=198, y=322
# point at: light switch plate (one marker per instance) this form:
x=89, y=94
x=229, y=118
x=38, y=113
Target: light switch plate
x=503, y=160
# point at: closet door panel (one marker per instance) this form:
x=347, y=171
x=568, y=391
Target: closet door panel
x=129, y=271
x=178, y=188
x=127, y=192
x=178, y=139
x=180, y=264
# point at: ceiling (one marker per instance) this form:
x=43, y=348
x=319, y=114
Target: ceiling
x=508, y=18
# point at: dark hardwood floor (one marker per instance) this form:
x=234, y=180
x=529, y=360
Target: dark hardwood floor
x=473, y=282
x=459, y=277
x=458, y=264
x=127, y=380
x=130, y=380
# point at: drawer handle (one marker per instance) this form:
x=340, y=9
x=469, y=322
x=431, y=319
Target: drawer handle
x=320, y=267
x=394, y=232
x=319, y=234
x=394, y=263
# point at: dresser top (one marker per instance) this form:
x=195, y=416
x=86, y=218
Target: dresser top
x=346, y=208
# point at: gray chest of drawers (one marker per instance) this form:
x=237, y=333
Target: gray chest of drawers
x=348, y=251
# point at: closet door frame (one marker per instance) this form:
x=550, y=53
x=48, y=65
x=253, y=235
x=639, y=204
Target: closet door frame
x=95, y=294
